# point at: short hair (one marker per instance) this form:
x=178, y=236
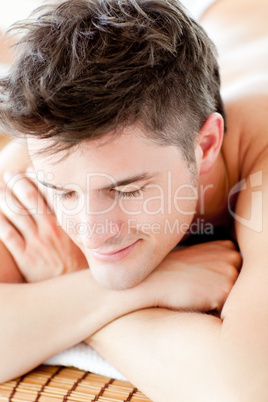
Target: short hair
x=89, y=67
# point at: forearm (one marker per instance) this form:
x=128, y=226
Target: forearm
x=176, y=356
x=41, y=319
x=157, y=350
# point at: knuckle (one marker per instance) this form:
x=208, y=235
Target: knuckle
x=32, y=231
x=50, y=231
x=231, y=272
x=10, y=234
x=30, y=194
x=218, y=301
x=229, y=244
x=50, y=226
x=224, y=288
x=223, y=294
x=235, y=258
x=227, y=287
x=238, y=260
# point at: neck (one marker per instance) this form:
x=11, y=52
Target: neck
x=213, y=191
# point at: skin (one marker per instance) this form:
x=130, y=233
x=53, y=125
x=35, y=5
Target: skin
x=38, y=251
x=228, y=359
x=224, y=359
x=131, y=217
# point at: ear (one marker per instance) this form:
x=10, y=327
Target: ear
x=210, y=141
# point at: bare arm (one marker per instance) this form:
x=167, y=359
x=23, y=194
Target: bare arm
x=195, y=357
x=201, y=357
x=41, y=319
x=192, y=284
x=170, y=356
x=92, y=306
x=13, y=156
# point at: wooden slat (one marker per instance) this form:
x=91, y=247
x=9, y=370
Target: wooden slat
x=57, y=383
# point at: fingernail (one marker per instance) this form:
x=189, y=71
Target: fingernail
x=30, y=169
x=30, y=173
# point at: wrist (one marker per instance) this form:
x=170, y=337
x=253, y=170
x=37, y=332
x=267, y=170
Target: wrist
x=113, y=304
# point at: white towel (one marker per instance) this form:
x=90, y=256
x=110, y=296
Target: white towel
x=84, y=357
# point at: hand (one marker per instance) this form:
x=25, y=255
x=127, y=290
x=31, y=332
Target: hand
x=198, y=277
x=29, y=230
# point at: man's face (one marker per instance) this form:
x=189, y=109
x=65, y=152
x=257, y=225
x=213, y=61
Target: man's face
x=125, y=201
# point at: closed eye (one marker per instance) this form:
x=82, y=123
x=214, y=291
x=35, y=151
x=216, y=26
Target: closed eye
x=128, y=194
x=68, y=195
x=117, y=193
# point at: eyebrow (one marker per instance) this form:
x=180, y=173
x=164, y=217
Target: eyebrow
x=118, y=183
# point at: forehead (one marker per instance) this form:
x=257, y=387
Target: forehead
x=130, y=152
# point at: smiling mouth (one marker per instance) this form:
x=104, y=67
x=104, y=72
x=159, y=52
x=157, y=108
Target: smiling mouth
x=115, y=256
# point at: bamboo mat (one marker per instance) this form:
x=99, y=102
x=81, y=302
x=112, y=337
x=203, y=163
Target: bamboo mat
x=68, y=384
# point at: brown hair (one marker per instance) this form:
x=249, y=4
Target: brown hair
x=86, y=67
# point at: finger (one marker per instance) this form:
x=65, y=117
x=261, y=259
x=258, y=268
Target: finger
x=26, y=191
x=47, y=221
x=236, y=259
x=229, y=244
x=29, y=211
x=11, y=238
x=228, y=251
x=32, y=175
x=17, y=215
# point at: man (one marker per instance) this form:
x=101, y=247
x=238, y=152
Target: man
x=148, y=73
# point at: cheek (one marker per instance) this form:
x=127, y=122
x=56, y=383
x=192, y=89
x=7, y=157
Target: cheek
x=153, y=202
x=185, y=206
x=167, y=216
x=131, y=207
x=67, y=218
x=68, y=210
x=185, y=197
x=69, y=223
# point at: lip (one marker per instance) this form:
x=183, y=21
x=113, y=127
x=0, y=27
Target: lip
x=118, y=255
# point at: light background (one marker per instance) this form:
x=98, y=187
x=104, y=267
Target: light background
x=14, y=10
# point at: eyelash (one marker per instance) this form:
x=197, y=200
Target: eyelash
x=119, y=194
x=129, y=194
x=67, y=196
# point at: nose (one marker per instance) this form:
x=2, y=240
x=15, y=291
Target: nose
x=100, y=220
x=95, y=232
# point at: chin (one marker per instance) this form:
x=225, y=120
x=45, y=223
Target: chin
x=117, y=278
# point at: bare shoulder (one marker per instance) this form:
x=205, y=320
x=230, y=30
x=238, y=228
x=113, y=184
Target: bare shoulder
x=239, y=30
x=246, y=139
